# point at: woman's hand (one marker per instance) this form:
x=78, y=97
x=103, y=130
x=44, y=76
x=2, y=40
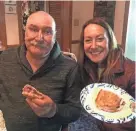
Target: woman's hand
x=70, y=55
x=133, y=107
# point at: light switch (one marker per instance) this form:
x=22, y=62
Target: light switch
x=76, y=22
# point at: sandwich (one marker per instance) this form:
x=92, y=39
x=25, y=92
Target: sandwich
x=30, y=92
x=109, y=101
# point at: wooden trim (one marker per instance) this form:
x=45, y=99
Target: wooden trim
x=3, y=23
x=75, y=41
x=125, y=24
x=10, y=46
x=20, y=21
x=47, y=6
x=63, y=18
x=67, y=25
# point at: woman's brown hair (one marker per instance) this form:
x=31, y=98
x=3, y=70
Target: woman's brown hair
x=114, y=49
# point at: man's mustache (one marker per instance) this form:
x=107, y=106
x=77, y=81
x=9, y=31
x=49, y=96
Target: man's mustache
x=38, y=44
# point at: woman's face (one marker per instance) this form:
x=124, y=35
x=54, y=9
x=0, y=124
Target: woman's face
x=96, y=43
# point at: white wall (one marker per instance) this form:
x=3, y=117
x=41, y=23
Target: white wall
x=118, y=20
x=130, y=49
x=12, y=29
x=82, y=11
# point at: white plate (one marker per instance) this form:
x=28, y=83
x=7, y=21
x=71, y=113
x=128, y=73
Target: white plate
x=89, y=94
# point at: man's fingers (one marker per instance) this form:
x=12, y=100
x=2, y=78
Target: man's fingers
x=28, y=88
x=41, y=102
x=40, y=111
x=32, y=95
x=31, y=92
x=32, y=104
x=29, y=95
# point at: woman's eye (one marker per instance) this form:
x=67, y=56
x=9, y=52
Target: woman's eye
x=88, y=41
x=99, y=39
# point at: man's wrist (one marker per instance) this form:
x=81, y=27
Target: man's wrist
x=52, y=111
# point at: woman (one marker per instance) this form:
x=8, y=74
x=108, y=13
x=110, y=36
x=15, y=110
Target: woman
x=102, y=60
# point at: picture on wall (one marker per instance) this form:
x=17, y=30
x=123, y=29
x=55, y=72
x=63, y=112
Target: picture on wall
x=105, y=10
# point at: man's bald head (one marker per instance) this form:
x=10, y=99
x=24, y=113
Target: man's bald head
x=41, y=16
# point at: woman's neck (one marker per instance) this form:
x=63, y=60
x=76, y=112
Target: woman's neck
x=103, y=63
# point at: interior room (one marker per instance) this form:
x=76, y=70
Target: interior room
x=46, y=86
x=69, y=17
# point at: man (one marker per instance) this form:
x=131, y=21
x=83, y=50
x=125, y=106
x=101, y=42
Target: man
x=39, y=63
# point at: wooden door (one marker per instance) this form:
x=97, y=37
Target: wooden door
x=62, y=13
x=3, y=37
x=20, y=22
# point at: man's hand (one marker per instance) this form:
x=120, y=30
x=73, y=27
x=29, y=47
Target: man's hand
x=41, y=104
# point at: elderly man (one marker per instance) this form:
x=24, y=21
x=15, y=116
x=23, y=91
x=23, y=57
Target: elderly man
x=52, y=97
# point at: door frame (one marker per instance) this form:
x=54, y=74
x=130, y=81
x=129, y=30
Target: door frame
x=3, y=24
x=125, y=24
x=67, y=25
x=20, y=21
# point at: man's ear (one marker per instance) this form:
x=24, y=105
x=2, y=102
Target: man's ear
x=55, y=32
x=54, y=36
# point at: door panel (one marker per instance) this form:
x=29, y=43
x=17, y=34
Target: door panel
x=55, y=11
x=62, y=13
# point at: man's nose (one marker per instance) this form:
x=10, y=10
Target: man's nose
x=40, y=36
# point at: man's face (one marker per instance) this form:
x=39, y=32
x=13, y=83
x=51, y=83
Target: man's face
x=96, y=44
x=39, y=35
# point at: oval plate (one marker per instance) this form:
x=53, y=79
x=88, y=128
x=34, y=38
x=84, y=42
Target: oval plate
x=89, y=94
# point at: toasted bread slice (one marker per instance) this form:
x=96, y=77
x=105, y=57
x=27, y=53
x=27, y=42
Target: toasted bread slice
x=108, y=101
